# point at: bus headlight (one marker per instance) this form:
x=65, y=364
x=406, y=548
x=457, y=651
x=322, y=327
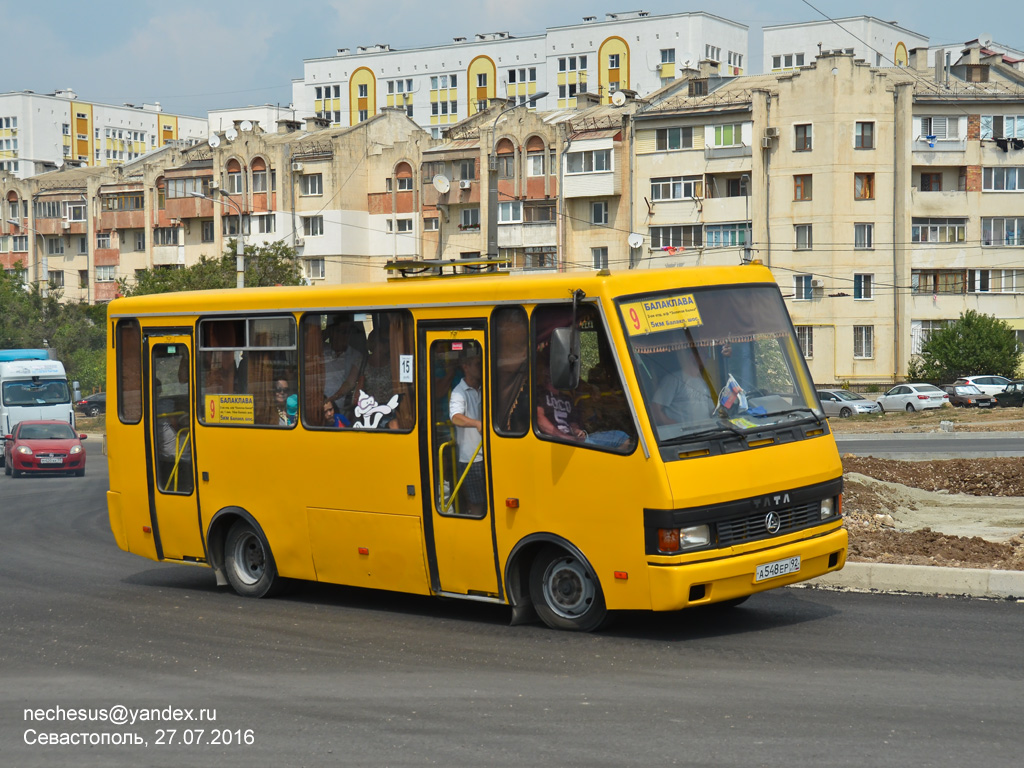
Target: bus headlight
x=682, y=539
x=828, y=508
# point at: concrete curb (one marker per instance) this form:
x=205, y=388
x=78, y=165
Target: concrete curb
x=924, y=580
x=937, y=436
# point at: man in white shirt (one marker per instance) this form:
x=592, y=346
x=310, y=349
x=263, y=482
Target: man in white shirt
x=342, y=363
x=466, y=410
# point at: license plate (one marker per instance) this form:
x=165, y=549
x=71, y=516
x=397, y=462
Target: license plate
x=778, y=568
x=51, y=460
x=984, y=405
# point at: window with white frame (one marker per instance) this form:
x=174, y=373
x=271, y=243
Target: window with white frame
x=804, y=237
x=55, y=278
x=1008, y=280
x=933, y=230
x=431, y=224
x=106, y=273
x=54, y=246
x=1008, y=179
x=668, y=55
x=469, y=218
x=978, y=280
x=259, y=181
x=712, y=52
x=208, y=232
x=312, y=184
x=802, y=290
x=940, y=127
x=863, y=286
x=1001, y=231
x=404, y=225
x=681, y=236
x=467, y=168
x=599, y=212
x=102, y=239
x=863, y=341
x=588, y=161
x=312, y=226
x=19, y=243
x=1002, y=126
x=677, y=187
x=805, y=337
x=510, y=212
x=535, y=164
x=670, y=139
x=265, y=223
x=725, y=235
x=728, y=135
x=165, y=236
x=234, y=183
x=864, y=236
x=313, y=269
x=481, y=80
x=363, y=91
x=613, y=61
x=83, y=244
x=599, y=256
x=787, y=60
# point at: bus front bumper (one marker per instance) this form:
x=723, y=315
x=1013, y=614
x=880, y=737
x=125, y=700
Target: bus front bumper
x=676, y=586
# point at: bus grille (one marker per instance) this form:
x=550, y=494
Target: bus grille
x=751, y=527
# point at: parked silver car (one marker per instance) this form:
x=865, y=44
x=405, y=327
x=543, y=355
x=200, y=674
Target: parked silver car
x=843, y=403
x=913, y=397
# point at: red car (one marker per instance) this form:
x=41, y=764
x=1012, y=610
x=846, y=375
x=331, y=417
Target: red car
x=44, y=446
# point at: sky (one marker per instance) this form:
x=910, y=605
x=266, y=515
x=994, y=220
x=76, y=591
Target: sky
x=196, y=55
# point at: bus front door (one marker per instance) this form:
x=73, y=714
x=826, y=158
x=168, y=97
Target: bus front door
x=173, y=502
x=460, y=530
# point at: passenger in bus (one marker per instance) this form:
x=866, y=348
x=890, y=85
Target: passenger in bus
x=683, y=395
x=343, y=364
x=466, y=410
x=281, y=390
x=173, y=448
x=558, y=416
x=376, y=383
x=332, y=418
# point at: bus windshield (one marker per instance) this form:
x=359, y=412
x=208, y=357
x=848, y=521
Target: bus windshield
x=32, y=393
x=717, y=361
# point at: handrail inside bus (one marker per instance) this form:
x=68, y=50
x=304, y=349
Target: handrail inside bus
x=447, y=504
x=179, y=451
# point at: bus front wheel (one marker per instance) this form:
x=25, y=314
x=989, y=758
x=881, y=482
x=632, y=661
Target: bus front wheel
x=565, y=592
x=248, y=562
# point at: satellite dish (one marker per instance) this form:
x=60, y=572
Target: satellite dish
x=245, y=125
x=635, y=240
x=984, y=40
x=230, y=134
x=214, y=141
x=441, y=183
x=60, y=163
x=618, y=98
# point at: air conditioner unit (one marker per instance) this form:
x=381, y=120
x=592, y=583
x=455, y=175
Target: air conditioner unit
x=299, y=242
x=817, y=282
x=296, y=167
x=465, y=184
x=65, y=225
x=771, y=132
x=766, y=143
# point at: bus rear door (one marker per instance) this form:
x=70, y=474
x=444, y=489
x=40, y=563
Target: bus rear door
x=173, y=500
x=460, y=527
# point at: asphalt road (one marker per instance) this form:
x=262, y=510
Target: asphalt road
x=335, y=676
x=934, y=445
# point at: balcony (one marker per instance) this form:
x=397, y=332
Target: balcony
x=940, y=204
x=526, y=235
x=725, y=209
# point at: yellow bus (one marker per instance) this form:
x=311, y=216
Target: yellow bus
x=568, y=444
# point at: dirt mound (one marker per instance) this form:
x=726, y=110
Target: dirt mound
x=966, y=513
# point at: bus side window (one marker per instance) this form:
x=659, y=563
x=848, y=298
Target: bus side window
x=596, y=413
x=510, y=363
x=129, y=371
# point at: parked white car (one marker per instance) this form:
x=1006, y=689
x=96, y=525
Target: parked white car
x=913, y=397
x=990, y=385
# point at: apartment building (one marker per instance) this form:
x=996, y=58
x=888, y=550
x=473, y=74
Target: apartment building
x=439, y=86
x=42, y=132
x=876, y=42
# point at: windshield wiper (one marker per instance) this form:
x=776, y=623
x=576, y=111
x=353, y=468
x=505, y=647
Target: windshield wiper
x=723, y=426
x=789, y=411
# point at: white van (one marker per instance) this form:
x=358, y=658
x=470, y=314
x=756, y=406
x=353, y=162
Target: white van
x=32, y=389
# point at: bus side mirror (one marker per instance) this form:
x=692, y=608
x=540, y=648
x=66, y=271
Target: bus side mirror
x=565, y=358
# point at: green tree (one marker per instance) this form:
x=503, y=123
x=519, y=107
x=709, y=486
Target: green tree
x=31, y=318
x=270, y=264
x=975, y=344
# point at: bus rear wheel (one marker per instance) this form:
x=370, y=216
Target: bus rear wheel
x=248, y=562
x=565, y=592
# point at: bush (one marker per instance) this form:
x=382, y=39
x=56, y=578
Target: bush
x=973, y=345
